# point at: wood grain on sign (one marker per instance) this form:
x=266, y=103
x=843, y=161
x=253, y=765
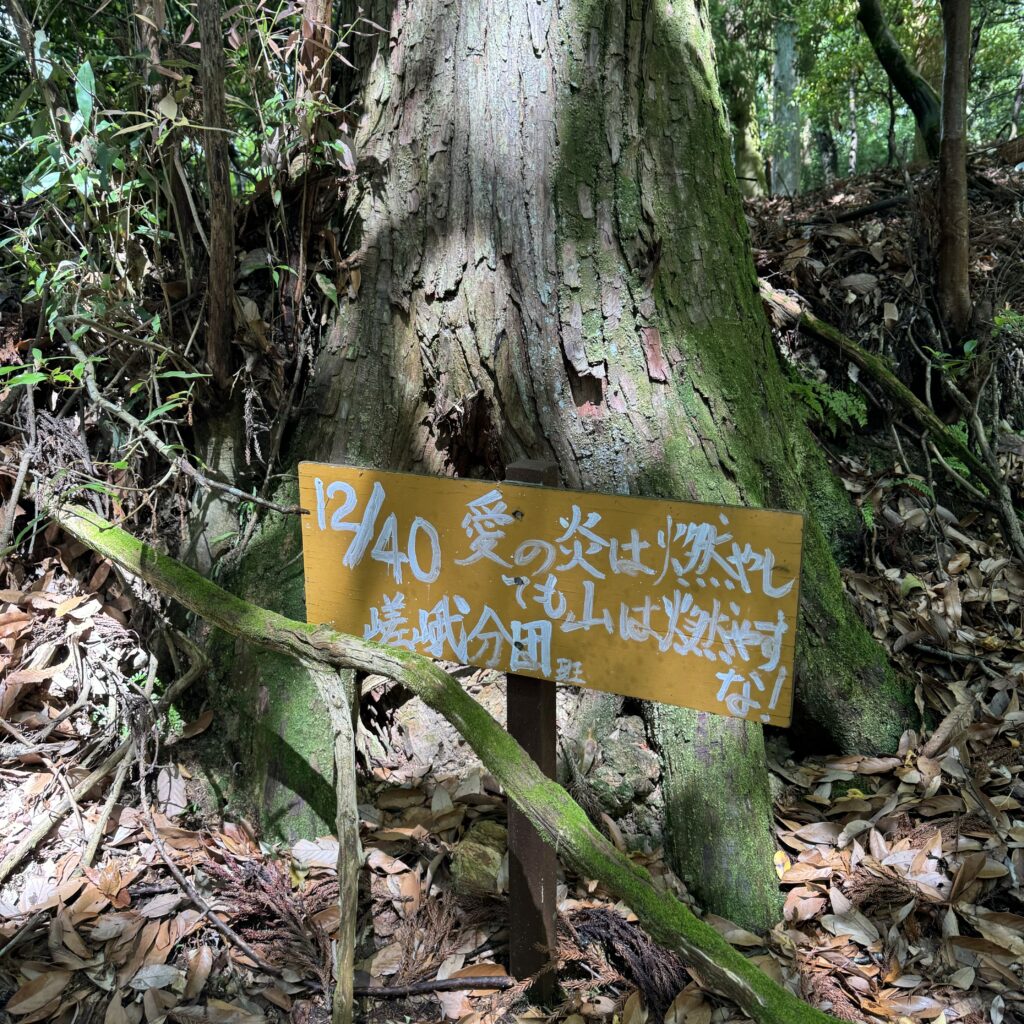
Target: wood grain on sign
x=688, y=604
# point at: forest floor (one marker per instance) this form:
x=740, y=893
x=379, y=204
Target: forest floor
x=902, y=874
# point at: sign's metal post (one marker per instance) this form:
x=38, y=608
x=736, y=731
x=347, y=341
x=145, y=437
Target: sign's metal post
x=532, y=864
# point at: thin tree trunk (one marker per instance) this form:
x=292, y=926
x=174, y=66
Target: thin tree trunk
x=339, y=691
x=220, y=291
x=909, y=83
x=149, y=23
x=954, y=215
x=1018, y=102
x=890, y=137
x=786, y=157
x=851, y=167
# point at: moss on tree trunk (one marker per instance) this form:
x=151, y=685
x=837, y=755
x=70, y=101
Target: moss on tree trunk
x=715, y=793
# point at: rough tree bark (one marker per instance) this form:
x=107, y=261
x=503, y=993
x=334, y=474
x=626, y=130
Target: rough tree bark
x=553, y=263
x=909, y=82
x=954, y=215
x=220, y=293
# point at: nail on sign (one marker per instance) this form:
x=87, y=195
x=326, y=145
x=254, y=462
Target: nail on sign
x=688, y=604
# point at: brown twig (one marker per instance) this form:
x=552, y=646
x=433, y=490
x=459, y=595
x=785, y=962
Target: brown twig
x=22, y=933
x=177, y=461
x=973, y=659
x=108, y=809
x=437, y=985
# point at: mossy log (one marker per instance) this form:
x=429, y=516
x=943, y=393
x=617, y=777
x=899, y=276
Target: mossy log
x=789, y=311
x=559, y=820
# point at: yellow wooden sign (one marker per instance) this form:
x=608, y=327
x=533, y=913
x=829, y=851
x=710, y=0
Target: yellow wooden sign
x=688, y=604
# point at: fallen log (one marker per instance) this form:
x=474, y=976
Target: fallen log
x=559, y=820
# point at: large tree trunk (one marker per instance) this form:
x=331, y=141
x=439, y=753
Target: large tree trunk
x=954, y=215
x=554, y=264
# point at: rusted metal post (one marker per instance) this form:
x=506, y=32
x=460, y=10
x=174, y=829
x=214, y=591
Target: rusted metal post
x=532, y=864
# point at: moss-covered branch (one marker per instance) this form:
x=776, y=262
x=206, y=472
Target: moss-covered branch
x=788, y=311
x=555, y=815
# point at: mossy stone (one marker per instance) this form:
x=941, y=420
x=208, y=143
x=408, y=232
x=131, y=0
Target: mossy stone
x=476, y=860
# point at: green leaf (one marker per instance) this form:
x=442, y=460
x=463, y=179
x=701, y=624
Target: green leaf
x=34, y=377
x=327, y=288
x=910, y=582
x=161, y=409
x=41, y=185
x=85, y=91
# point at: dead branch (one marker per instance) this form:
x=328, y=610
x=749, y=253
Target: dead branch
x=789, y=311
x=559, y=820
x=437, y=985
x=879, y=206
x=176, y=461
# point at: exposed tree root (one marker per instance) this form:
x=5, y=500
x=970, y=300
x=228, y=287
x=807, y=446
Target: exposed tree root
x=557, y=818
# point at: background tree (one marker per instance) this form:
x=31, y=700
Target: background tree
x=954, y=227
x=742, y=61
x=787, y=154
